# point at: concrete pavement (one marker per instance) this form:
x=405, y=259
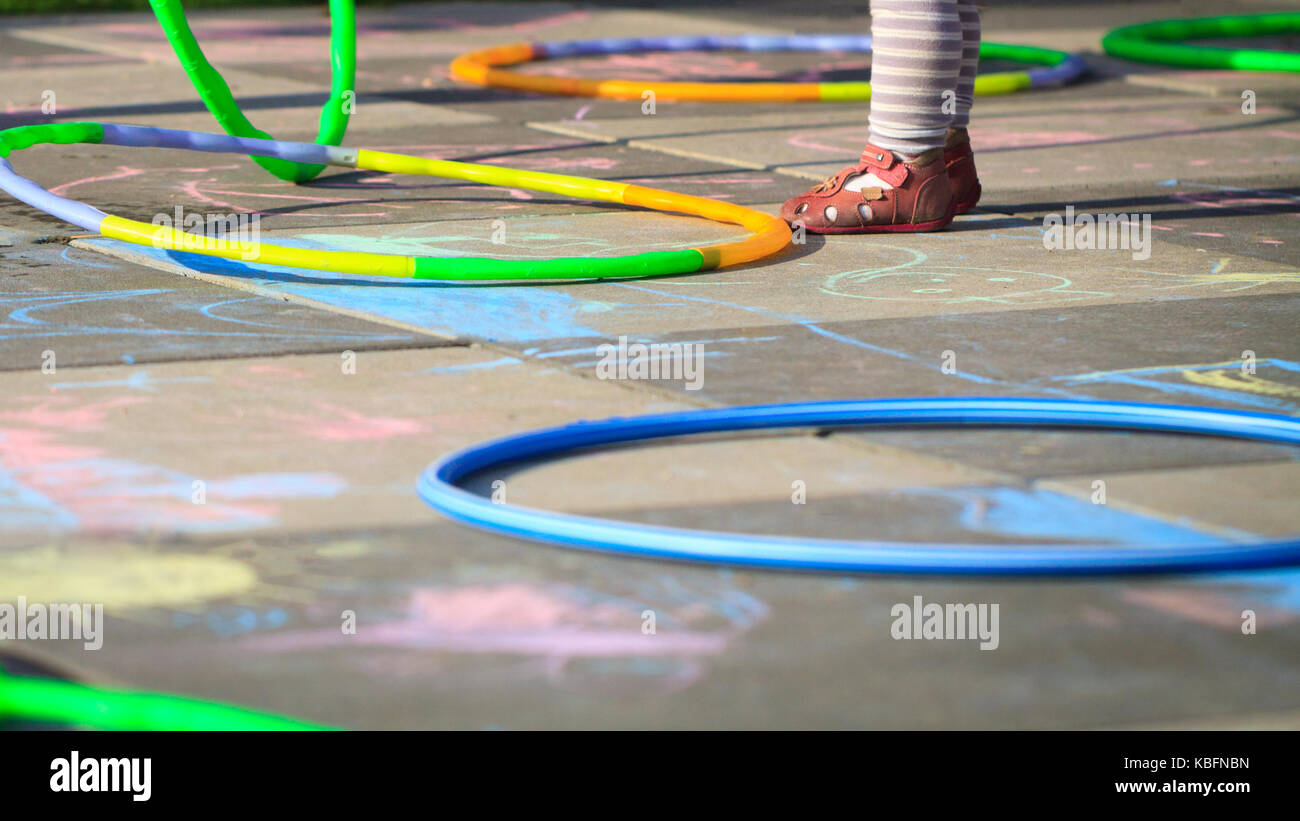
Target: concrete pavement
x=300, y=407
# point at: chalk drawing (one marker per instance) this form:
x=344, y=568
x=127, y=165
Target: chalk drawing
x=50, y=483
x=63, y=315
x=121, y=577
x=227, y=620
x=555, y=623
x=813, y=327
x=1036, y=514
x=1218, y=600
x=1266, y=389
x=926, y=277
x=334, y=423
x=920, y=279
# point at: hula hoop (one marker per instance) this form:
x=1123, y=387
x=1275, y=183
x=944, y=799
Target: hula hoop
x=769, y=236
x=63, y=702
x=1157, y=42
x=437, y=486
x=215, y=93
x=484, y=68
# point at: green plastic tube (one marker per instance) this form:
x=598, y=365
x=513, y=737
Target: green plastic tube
x=652, y=263
x=1159, y=42
x=63, y=702
x=26, y=136
x=216, y=95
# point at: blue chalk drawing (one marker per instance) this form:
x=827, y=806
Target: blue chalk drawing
x=1036, y=514
x=1168, y=379
x=815, y=328
x=139, y=381
x=278, y=486
x=475, y=366
x=25, y=321
x=1279, y=588
x=505, y=313
x=23, y=508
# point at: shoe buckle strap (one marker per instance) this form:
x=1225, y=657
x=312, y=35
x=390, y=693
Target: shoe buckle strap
x=884, y=165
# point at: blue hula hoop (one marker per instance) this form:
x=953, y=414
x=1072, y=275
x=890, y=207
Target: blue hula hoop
x=438, y=486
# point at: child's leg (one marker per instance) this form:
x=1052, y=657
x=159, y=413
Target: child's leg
x=916, y=57
x=970, y=58
x=961, y=164
x=901, y=182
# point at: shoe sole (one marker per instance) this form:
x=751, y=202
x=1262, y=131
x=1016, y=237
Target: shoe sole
x=894, y=228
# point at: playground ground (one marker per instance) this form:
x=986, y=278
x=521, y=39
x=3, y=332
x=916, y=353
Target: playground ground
x=176, y=373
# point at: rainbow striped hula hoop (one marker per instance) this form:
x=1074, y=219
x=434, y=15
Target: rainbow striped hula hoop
x=485, y=68
x=769, y=234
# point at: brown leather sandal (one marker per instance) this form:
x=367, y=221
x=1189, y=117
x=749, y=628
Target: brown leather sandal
x=921, y=198
x=959, y=158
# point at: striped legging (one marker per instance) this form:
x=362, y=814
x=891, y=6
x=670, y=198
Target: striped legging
x=924, y=54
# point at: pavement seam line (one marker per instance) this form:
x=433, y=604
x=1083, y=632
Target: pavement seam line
x=645, y=144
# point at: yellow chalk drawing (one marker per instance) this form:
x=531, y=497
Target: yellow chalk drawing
x=1241, y=281
x=122, y=577
x=1239, y=381
x=348, y=549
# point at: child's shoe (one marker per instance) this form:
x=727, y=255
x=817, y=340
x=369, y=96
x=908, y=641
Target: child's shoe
x=959, y=158
x=880, y=194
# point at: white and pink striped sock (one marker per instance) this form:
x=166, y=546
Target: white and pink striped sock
x=970, y=58
x=917, y=56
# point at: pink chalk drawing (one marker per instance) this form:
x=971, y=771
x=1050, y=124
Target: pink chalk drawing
x=55, y=485
x=547, y=21
x=204, y=187
x=992, y=138
x=200, y=190
x=64, y=412
x=263, y=198
x=279, y=371
x=1225, y=600
x=339, y=424
x=1209, y=608
x=555, y=624
x=845, y=140
x=657, y=66
x=515, y=193
x=1236, y=200
x=710, y=182
x=553, y=162
x=60, y=60
x=123, y=172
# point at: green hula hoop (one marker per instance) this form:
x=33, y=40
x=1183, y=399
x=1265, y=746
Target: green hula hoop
x=1159, y=42
x=53, y=701
x=216, y=95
